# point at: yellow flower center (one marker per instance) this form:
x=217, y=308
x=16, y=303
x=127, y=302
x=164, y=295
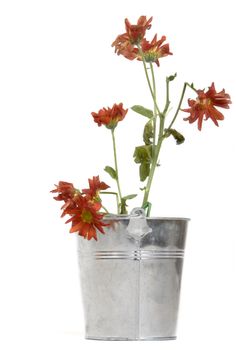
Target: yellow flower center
x=87, y=216
x=204, y=101
x=151, y=55
x=113, y=123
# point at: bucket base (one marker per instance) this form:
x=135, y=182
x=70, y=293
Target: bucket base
x=130, y=339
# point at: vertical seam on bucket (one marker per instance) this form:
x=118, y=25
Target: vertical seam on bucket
x=136, y=309
x=139, y=299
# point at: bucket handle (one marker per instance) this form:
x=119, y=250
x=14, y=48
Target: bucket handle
x=137, y=227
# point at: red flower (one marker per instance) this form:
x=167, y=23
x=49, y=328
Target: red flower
x=205, y=104
x=124, y=43
x=82, y=207
x=85, y=218
x=95, y=186
x=67, y=193
x=154, y=50
x=136, y=32
x=110, y=116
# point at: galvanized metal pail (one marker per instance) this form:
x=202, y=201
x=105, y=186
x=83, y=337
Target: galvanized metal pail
x=130, y=282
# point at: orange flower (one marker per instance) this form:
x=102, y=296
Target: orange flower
x=85, y=218
x=82, y=207
x=67, y=193
x=110, y=116
x=136, y=32
x=124, y=43
x=204, y=106
x=154, y=50
x=95, y=186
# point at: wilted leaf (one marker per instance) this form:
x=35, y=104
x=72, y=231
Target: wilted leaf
x=143, y=154
x=143, y=111
x=111, y=172
x=144, y=171
x=179, y=138
x=148, y=133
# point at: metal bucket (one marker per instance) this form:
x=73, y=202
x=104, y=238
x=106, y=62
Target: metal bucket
x=131, y=281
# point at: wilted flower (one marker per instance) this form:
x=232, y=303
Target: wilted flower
x=136, y=32
x=66, y=192
x=124, y=43
x=110, y=116
x=204, y=106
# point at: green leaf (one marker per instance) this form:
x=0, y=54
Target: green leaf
x=143, y=154
x=130, y=196
x=179, y=138
x=123, y=204
x=143, y=111
x=172, y=77
x=111, y=172
x=148, y=133
x=144, y=171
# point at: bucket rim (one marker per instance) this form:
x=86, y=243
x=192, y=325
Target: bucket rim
x=159, y=218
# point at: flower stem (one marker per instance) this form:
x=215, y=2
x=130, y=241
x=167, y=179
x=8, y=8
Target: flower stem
x=162, y=134
x=167, y=96
x=156, y=148
x=105, y=209
x=148, y=80
x=116, y=168
x=180, y=103
x=179, y=106
x=117, y=200
x=154, y=108
x=154, y=163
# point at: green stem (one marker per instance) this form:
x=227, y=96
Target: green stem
x=179, y=106
x=116, y=167
x=167, y=96
x=156, y=148
x=154, y=108
x=105, y=209
x=117, y=200
x=191, y=87
x=154, y=162
x=148, y=80
x=180, y=103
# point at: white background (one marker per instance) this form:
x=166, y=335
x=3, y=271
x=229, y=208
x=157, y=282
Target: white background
x=57, y=65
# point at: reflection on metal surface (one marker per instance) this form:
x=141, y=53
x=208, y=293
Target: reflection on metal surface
x=131, y=286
